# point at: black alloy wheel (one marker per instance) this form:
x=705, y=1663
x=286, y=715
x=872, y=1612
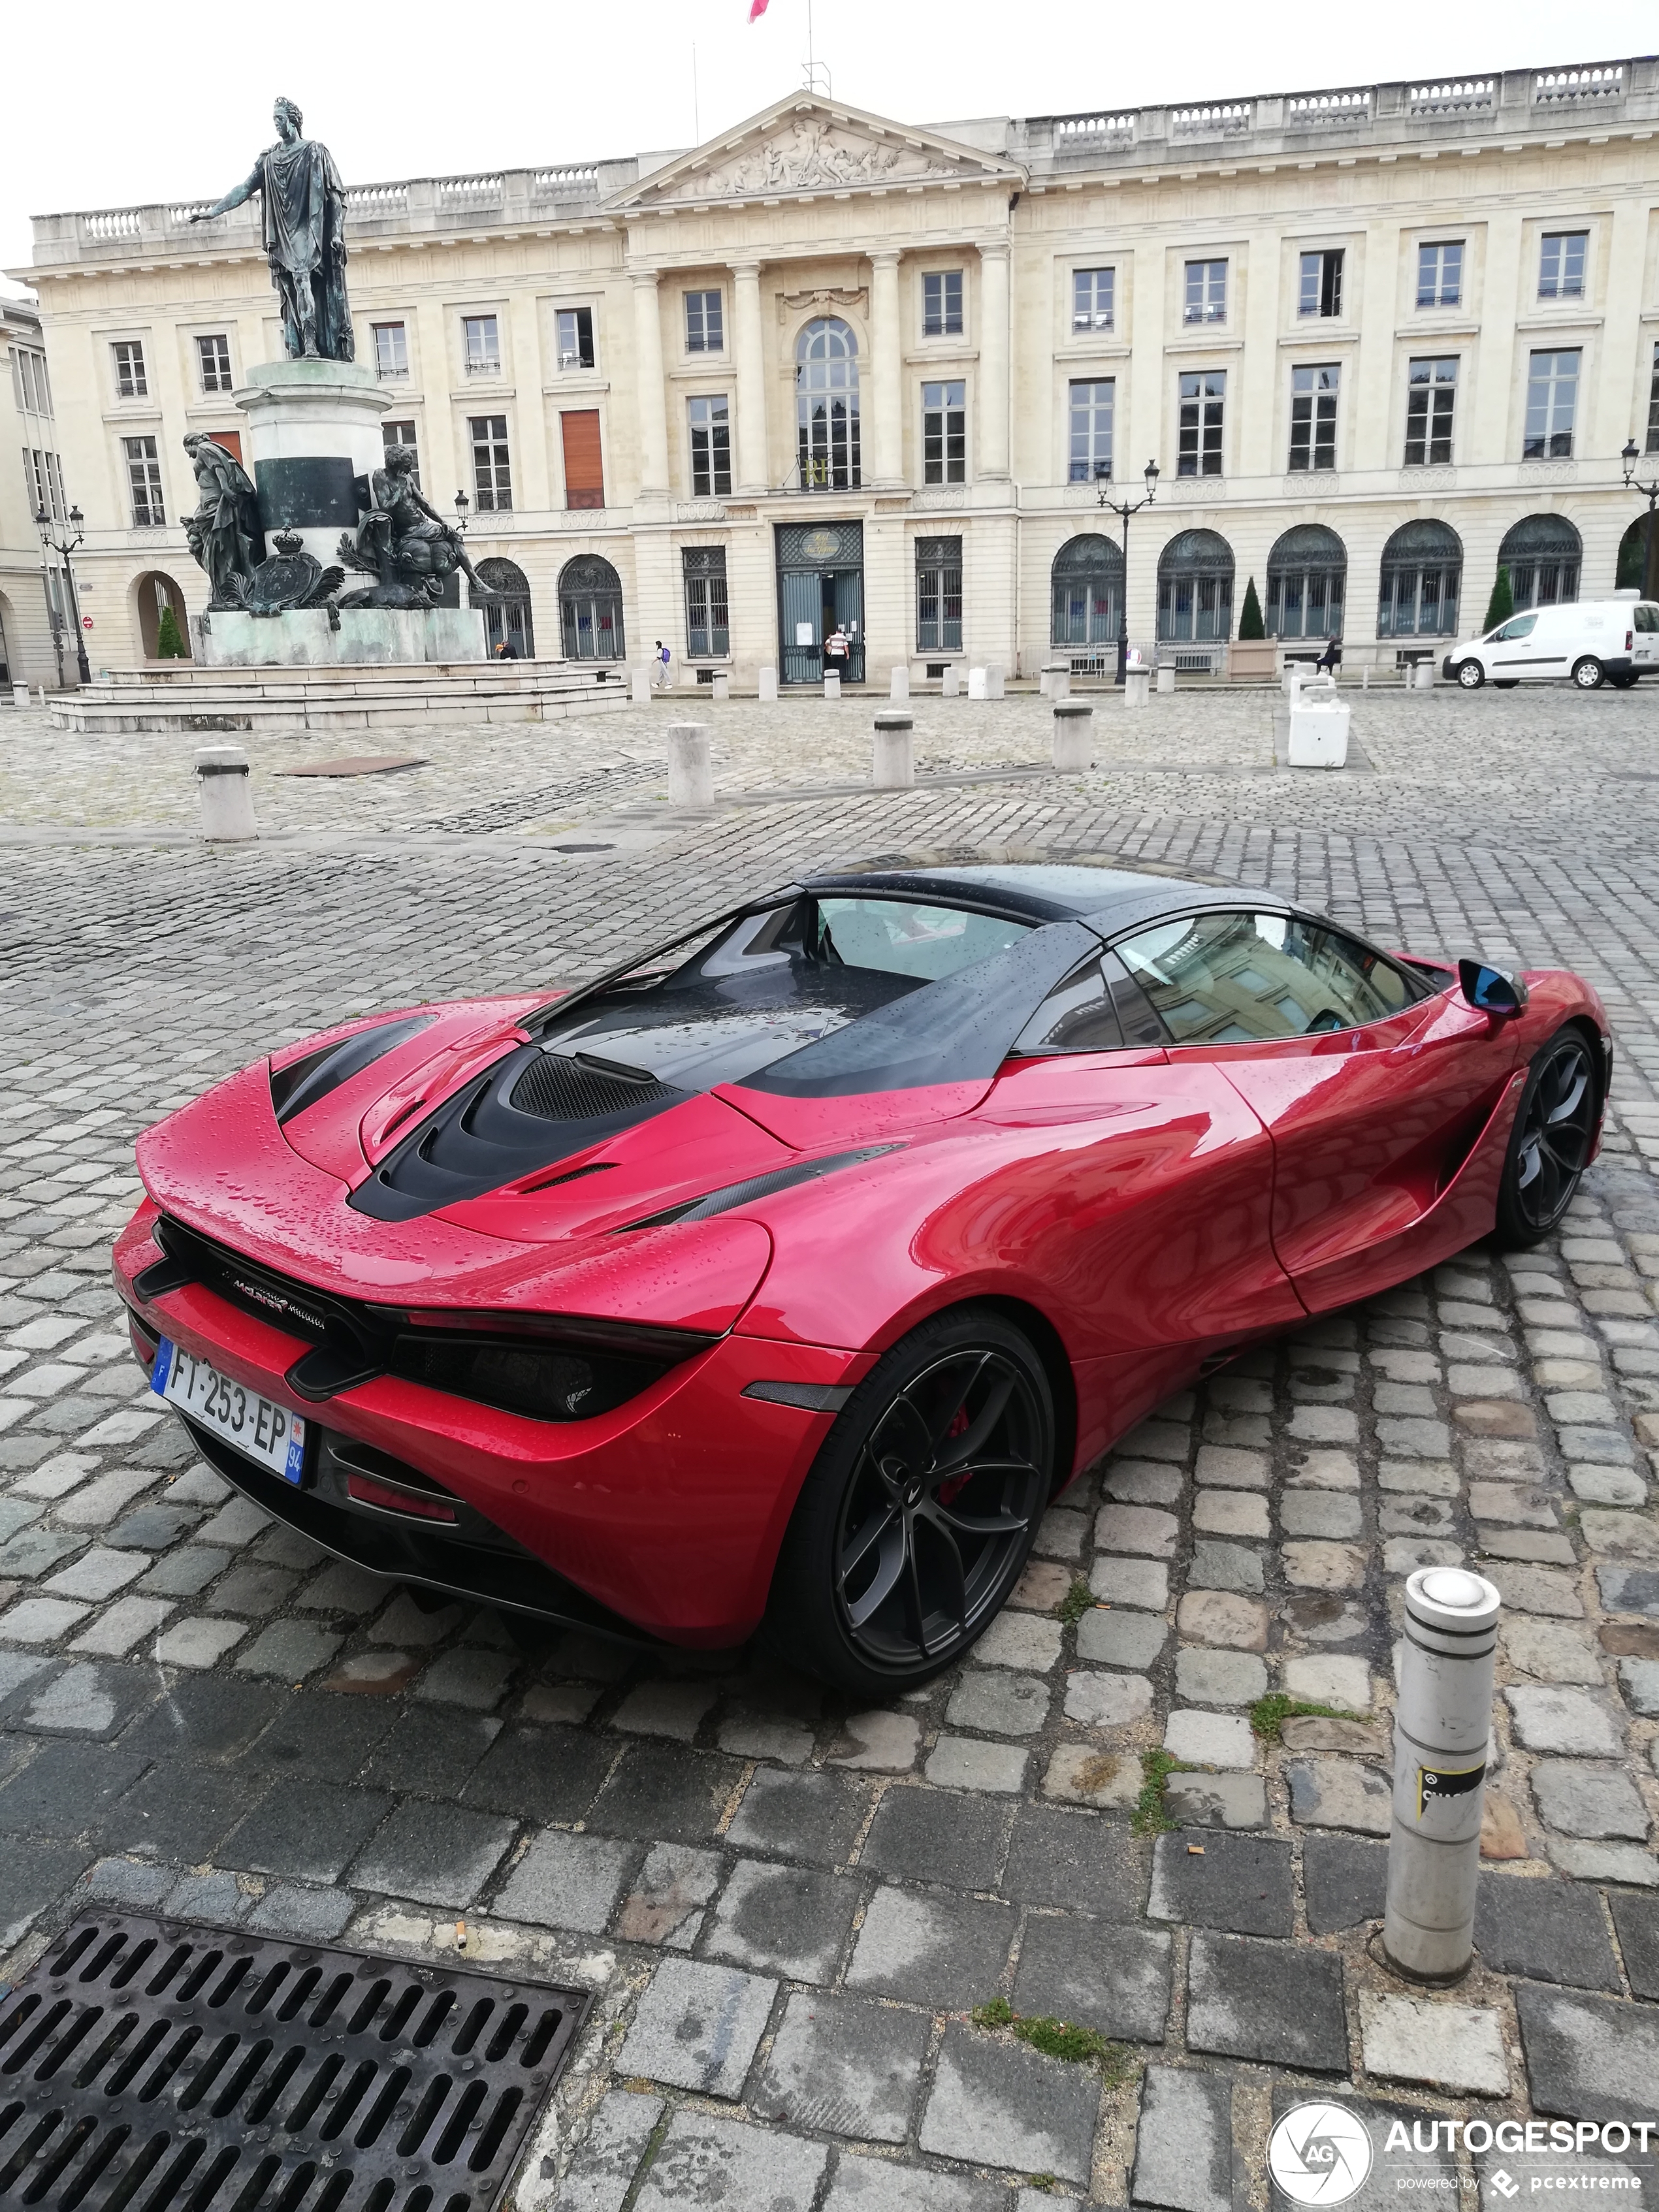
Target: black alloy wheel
x=1588, y=673
x=921, y=1510
x=1471, y=675
x=1550, y=1144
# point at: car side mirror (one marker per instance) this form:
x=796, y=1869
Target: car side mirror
x=1491, y=989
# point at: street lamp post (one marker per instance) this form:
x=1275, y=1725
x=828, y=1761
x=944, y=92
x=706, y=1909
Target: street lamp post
x=63, y=547
x=1126, y=508
x=1650, y=492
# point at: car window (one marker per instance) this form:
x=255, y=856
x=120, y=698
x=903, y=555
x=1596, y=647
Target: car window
x=1647, y=618
x=1245, y=978
x=897, y=937
x=1098, y=1008
x=1522, y=626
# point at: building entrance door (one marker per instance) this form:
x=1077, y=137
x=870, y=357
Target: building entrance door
x=820, y=586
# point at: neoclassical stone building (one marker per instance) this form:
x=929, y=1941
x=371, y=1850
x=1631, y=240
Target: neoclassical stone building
x=832, y=368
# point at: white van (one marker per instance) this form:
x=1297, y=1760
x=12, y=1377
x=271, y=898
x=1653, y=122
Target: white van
x=1594, y=642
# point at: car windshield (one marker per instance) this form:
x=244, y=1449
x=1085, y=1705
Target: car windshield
x=768, y=986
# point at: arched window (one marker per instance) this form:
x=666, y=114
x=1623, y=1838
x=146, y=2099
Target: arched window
x=1307, y=573
x=591, y=610
x=1088, y=592
x=1195, y=588
x=827, y=406
x=1630, y=574
x=1422, y=568
x=507, y=619
x=1543, y=555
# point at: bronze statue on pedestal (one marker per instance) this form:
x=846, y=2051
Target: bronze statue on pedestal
x=302, y=208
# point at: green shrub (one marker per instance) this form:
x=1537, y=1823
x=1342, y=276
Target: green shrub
x=169, y=645
x=1501, y=605
x=1249, y=615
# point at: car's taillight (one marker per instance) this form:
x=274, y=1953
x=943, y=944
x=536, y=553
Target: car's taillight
x=1630, y=639
x=368, y=1492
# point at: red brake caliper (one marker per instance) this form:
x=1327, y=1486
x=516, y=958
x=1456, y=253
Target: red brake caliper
x=947, y=1490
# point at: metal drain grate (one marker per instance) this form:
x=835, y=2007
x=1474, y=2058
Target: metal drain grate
x=155, y=2066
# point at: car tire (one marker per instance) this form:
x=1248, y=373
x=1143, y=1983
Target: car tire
x=1588, y=673
x=1550, y=1144
x=1471, y=675
x=1504, y=682
x=1622, y=682
x=895, y=1560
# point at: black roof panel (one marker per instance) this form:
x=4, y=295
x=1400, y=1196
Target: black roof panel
x=1108, y=899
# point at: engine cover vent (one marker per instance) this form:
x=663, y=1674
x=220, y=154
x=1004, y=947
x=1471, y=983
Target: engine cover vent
x=196, y=2070
x=562, y=1088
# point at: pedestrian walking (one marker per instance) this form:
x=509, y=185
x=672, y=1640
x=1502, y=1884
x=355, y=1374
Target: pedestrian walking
x=659, y=666
x=837, y=653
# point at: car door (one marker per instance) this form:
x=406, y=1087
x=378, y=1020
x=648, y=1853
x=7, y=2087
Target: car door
x=1374, y=1090
x=1510, y=654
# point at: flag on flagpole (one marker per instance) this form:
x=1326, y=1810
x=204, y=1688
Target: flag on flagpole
x=756, y=10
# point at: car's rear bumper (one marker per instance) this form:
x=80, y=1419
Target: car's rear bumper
x=663, y=1517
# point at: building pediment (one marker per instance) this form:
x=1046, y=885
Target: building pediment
x=808, y=145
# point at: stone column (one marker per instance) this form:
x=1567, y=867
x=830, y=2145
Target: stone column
x=749, y=362
x=652, y=390
x=993, y=254
x=887, y=373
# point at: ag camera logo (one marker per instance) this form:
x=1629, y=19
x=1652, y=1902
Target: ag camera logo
x=1320, y=2154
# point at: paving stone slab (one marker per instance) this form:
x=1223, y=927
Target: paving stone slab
x=1224, y=1620
x=815, y=1817
x=665, y=1790
x=1201, y=1738
x=698, y=2028
x=935, y=1949
x=1583, y=1800
x=1551, y=1651
x=1184, y=2141
x=536, y=1773
x=85, y=1699
x=1143, y=1583
x=324, y=1738
x=1345, y=1883
x=999, y=1703
x=844, y=2067
x=1083, y=1774
x=704, y=2160
x=1219, y=1678
x=1003, y=2105
x=565, y=1881
x=878, y=1743
x=1546, y=1930
x=1458, y=2048
x=1240, y=1884
x=1214, y=1565
x=1551, y=1718
x=1637, y=1920
x=601, y=2172
x=1078, y=1861
x=1096, y=1975
x=1216, y=1801
x=925, y=1835
x=205, y=1716
x=1129, y=1640
x=877, y=2184
x=181, y=1814
x=1339, y=1793
x=313, y=1916
x=309, y=1831
x=289, y=1651
x=435, y=1854
x=1630, y=1590
x=788, y=1920
x=1277, y=2004
x=1106, y=1700
x=65, y=1789
x=1589, y=2058
x=665, y=1902
x=31, y=1880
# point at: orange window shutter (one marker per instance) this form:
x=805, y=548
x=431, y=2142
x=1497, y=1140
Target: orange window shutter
x=584, y=465
x=230, y=439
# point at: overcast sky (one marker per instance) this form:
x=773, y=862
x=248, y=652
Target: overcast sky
x=107, y=105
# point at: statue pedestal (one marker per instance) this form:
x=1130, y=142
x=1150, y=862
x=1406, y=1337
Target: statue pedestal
x=314, y=437
x=383, y=636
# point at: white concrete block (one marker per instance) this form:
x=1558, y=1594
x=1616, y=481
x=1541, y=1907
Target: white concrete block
x=690, y=776
x=1319, y=735
x=768, y=686
x=977, y=683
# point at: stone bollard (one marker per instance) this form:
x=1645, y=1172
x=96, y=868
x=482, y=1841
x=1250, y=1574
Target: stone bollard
x=1441, y=1725
x=893, y=758
x=951, y=687
x=1059, y=680
x=227, y=802
x=832, y=686
x=1137, y=686
x=899, y=685
x=690, y=777
x=641, y=678
x=1075, y=734
x=1365, y=678
x=722, y=686
x=994, y=682
x=19, y=694
x=1424, y=676
x=977, y=683
x=767, y=684
x=1166, y=676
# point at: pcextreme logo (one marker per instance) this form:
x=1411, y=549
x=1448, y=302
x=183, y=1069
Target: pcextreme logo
x=1320, y=2154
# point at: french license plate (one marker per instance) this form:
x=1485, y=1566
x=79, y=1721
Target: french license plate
x=269, y=1435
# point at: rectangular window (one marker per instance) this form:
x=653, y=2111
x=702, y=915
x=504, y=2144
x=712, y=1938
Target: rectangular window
x=130, y=379
x=1321, y=283
x=1431, y=399
x=390, y=351
x=1313, y=417
x=576, y=337
x=1207, y=292
x=938, y=595
x=711, y=448
x=1092, y=292
x=34, y=481
x=55, y=500
x=584, y=463
x=492, y=476
x=1203, y=397
x=402, y=434
x=213, y=358
x=29, y=385
x=707, y=623
x=944, y=433
x=144, y=477
x=1561, y=264
x=941, y=304
x=1551, y=404
x=705, y=326
x=483, y=345
x=1653, y=406
x=1090, y=455
x=1440, y=275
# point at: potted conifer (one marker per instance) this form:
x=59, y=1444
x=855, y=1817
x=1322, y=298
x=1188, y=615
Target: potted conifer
x=1253, y=657
x=169, y=644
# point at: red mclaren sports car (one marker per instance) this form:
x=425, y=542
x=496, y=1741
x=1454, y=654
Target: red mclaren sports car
x=783, y=1277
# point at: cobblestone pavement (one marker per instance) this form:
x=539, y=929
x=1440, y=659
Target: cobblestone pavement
x=789, y=1909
